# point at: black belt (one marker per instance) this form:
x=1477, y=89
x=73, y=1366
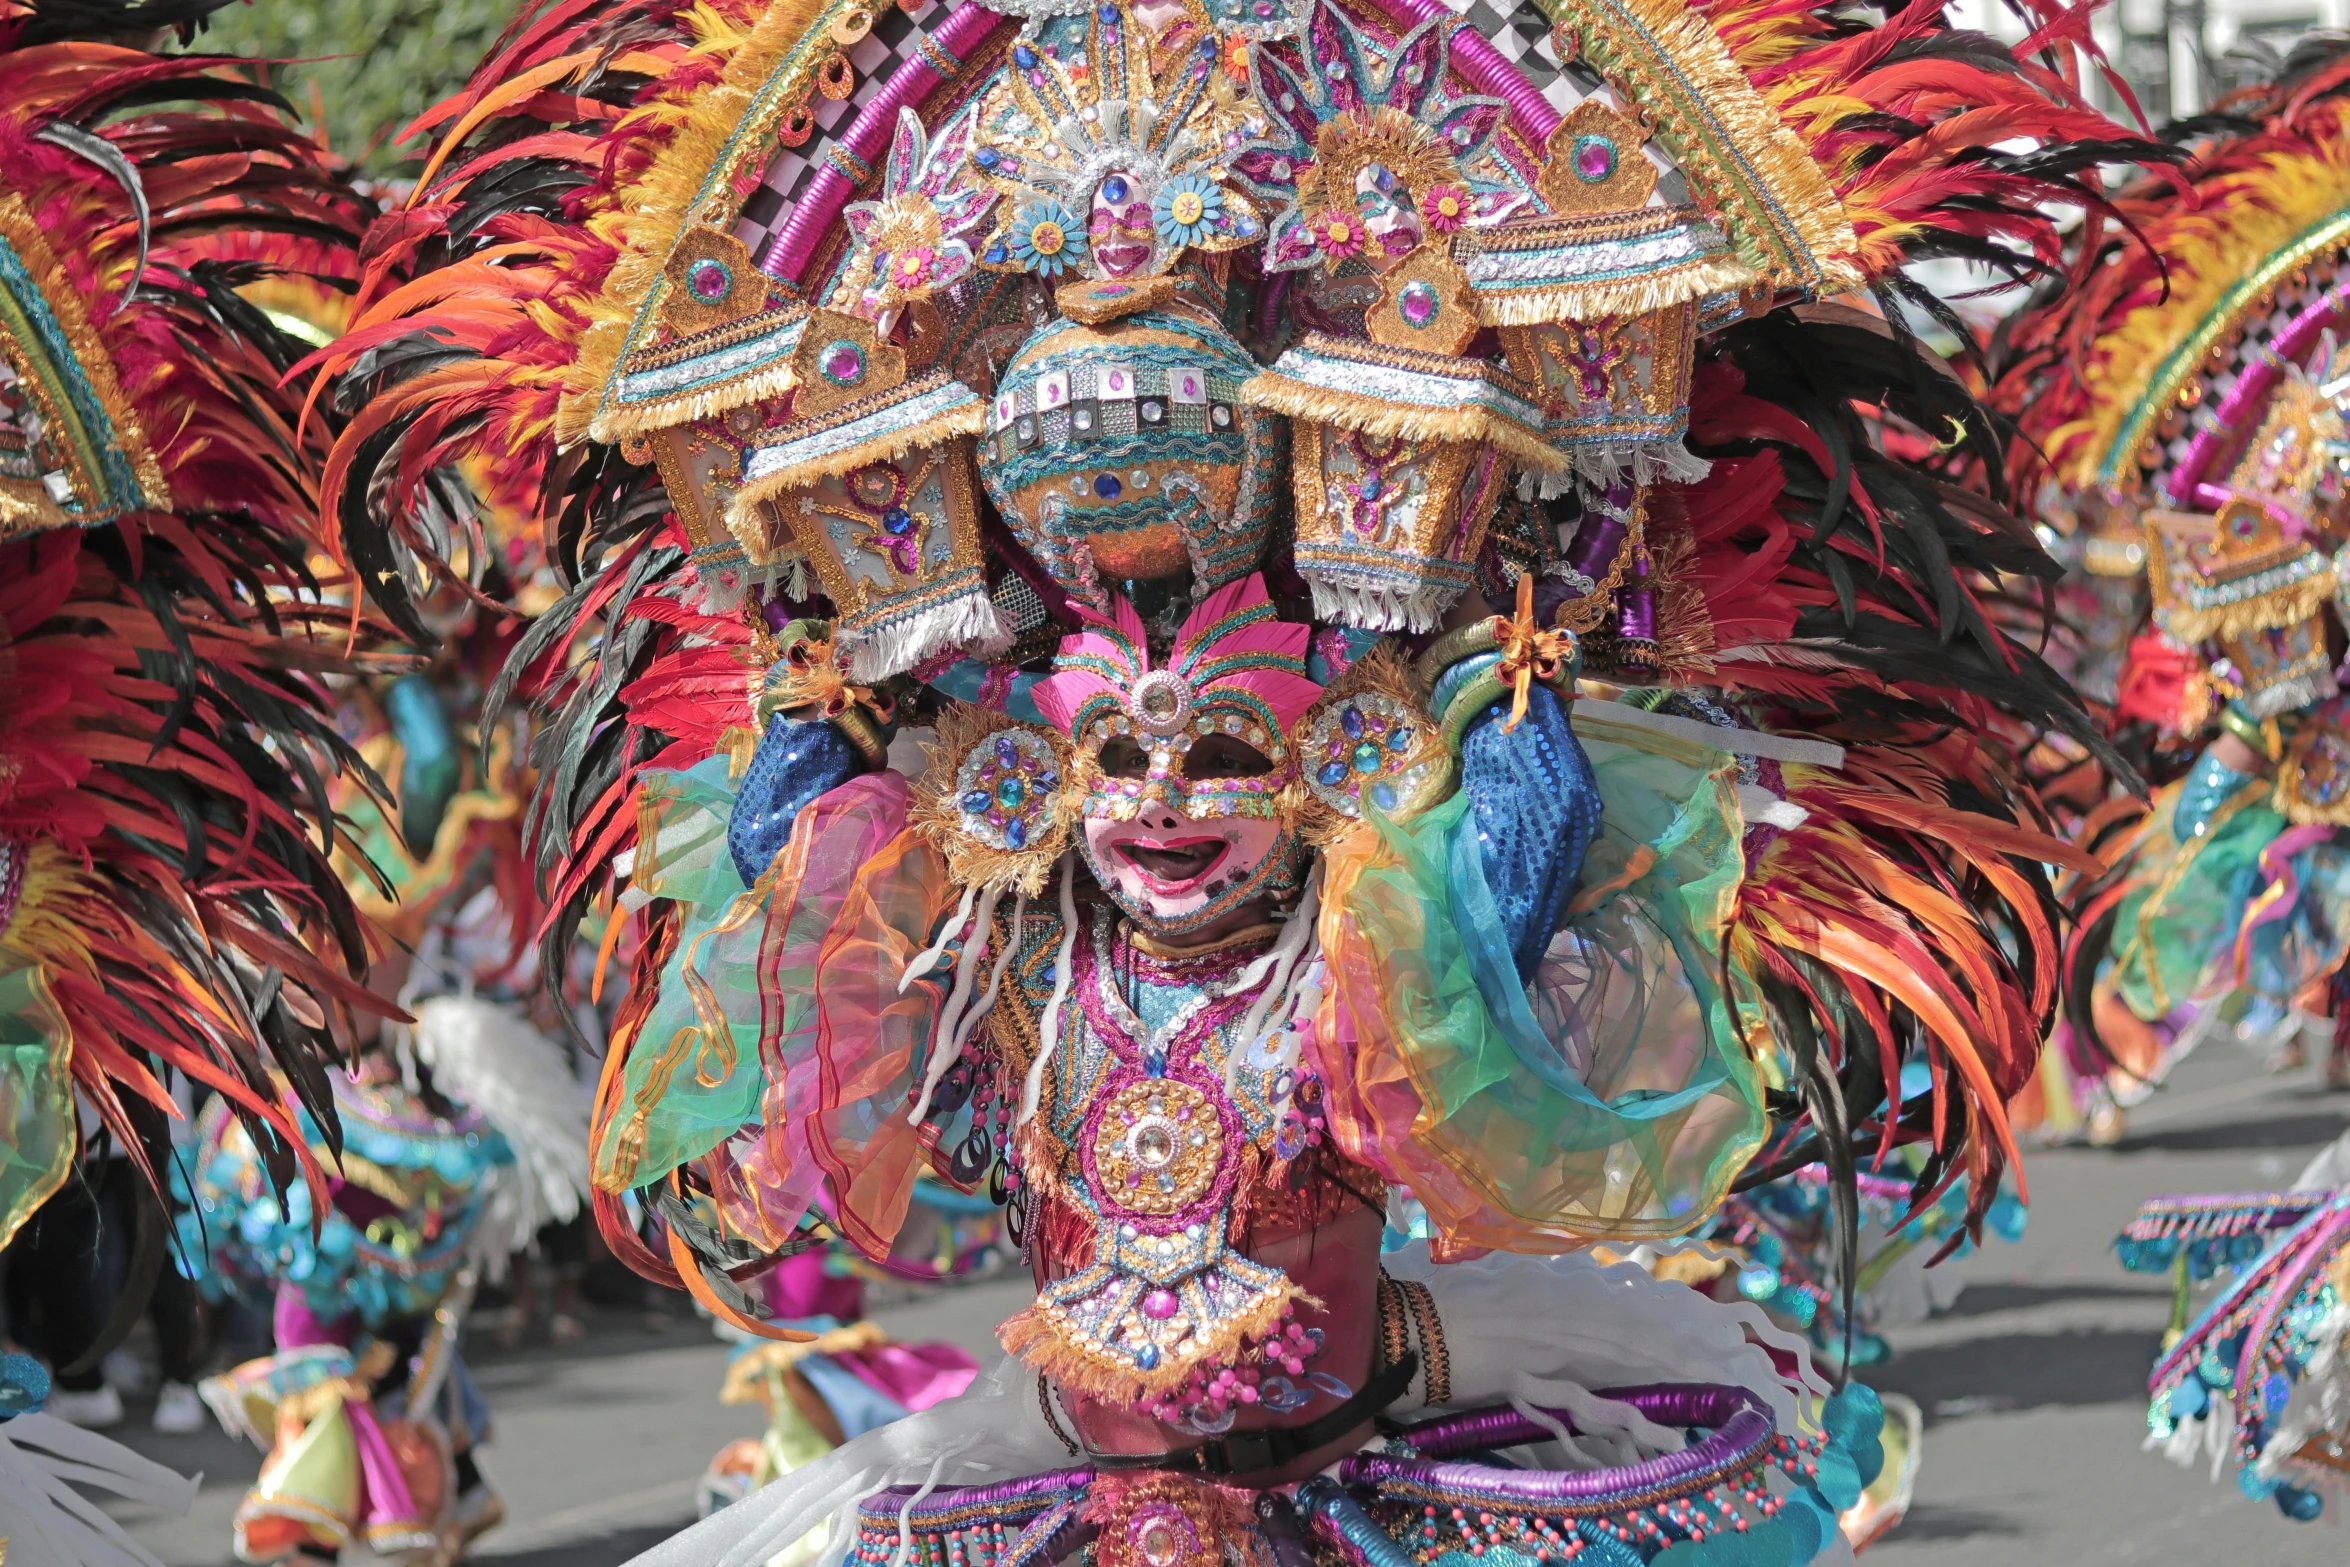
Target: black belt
x=1254, y=1452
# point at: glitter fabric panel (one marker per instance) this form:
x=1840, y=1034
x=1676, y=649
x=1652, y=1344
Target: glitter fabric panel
x=796, y=761
x=1536, y=806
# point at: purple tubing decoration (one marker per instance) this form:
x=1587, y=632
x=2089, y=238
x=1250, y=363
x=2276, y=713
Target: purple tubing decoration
x=1741, y=1429
x=867, y=138
x=1037, y=1490
x=1483, y=68
x=2225, y=424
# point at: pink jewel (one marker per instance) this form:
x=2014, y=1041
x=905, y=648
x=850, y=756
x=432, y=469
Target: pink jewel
x=1159, y=1305
x=843, y=364
x=709, y=279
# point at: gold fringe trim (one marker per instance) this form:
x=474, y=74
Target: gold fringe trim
x=716, y=130
x=1684, y=623
x=1620, y=297
x=1376, y=416
x=937, y=816
x=2284, y=606
x=1043, y=1340
x=619, y=421
x=970, y=419
x=1784, y=216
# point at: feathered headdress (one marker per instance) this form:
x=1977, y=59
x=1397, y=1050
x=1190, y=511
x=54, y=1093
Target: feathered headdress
x=165, y=738
x=2186, y=290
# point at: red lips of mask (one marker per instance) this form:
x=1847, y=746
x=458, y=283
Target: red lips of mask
x=1169, y=871
x=1121, y=237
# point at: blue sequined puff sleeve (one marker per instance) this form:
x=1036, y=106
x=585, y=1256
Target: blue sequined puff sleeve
x=1536, y=806
x=797, y=760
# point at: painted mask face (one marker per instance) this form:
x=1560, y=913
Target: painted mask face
x=1190, y=812
x=1119, y=227
x=1385, y=205
x=1204, y=836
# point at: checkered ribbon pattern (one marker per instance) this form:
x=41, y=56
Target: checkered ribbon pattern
x=1517, y=28
x=897, y=36
x=2293, y=300
x=1520, y=34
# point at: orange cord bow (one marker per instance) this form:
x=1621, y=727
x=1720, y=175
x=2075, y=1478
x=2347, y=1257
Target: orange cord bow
x=1529, y=652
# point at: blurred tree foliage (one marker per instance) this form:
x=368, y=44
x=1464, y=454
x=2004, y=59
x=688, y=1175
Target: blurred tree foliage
x=395, y=59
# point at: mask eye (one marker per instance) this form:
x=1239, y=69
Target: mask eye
x=1224, y=756
x=1125, y=758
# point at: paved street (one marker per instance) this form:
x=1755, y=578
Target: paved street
x=2031, y=1384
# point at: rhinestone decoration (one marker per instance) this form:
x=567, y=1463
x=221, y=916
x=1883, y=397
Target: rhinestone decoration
x=1007, y=788
x=1161, y=702
x=1156, y=1148
x=1594, y=159
x=1367, y=747
x=842, y=363
x=710, y=279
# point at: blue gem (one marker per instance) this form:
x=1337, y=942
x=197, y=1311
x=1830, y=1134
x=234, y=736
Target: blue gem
x=1011, y=794
x=1108, y=15
x=1048, y=780
x=975, y=801
x=1006, y=753
x=1147, y=1357
x=1331, y=775
x=1368, y=487
x=995, y=253
x=1399, y=740
x=987, y=157
x=1351, y=720
x=1383, y=796
x=1107, y=487
x=1367, y=757
x=1114, y=188
x=1024, y=57
x=1015, y=834
x=896, y=521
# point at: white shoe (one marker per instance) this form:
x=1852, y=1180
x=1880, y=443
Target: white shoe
x=127, y=1373
x=178, y=1411
x=91, y=1411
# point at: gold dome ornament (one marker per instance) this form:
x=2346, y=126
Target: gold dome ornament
x=1123, y=451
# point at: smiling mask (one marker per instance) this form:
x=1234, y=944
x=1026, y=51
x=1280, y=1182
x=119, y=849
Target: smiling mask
x=1190, y=804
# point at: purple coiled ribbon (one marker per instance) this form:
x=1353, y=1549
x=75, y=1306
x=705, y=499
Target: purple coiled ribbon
x=1741, y=1427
